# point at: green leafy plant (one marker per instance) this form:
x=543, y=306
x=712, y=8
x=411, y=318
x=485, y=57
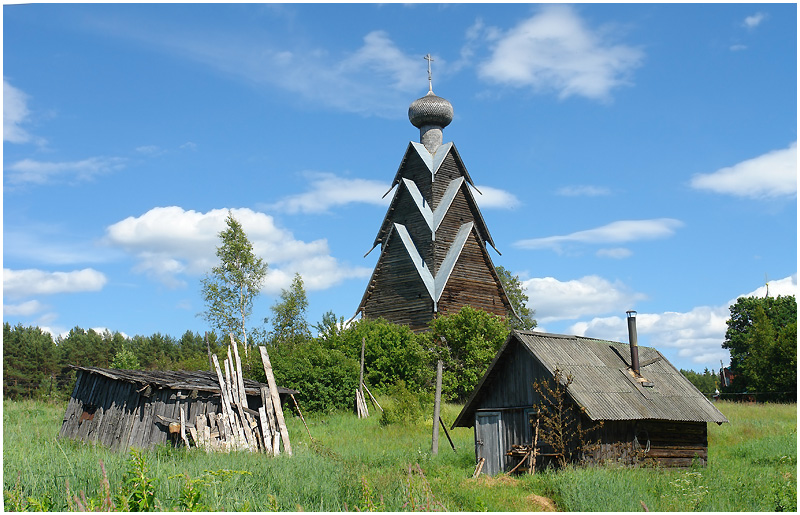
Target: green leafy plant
x=472, y=338
x=139, y=488
x=405, y=406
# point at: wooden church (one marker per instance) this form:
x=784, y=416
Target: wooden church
x=433, y=239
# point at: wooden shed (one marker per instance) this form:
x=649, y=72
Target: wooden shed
x=658, y=415
x=132, y=408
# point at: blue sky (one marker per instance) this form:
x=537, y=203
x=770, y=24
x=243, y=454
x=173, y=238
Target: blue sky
x=629, y=156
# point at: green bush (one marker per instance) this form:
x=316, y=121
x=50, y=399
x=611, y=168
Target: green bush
x=473, y=338
x=325, y=378
x=404, y=407
x=392, y=353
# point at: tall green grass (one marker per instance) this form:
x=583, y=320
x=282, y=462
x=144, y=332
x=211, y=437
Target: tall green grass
x=352, y=464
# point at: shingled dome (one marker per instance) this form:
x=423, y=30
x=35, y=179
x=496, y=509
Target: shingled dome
x=430, y=110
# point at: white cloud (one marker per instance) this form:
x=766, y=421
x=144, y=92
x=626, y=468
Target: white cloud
x=615, y=253
x=170, y=243
x=754, y=21
x=150, y=150
x=695, y=336
x=329, y=190
x=616, y=232
x=770, y=175
x=39, y=172
x=381, y=58
x=24, y=283
x=738, y=47
x=15, y=114
x=374, y=79
x=24, y=309
x=555, y=51
x=591, y=295
x=583, y=191
x=493, y=198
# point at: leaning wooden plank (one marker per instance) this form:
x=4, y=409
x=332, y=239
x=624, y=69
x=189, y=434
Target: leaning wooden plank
x=266, y=399
x=276, y=400
x=301, y=415
x=233, y=394
x=183, y=428
x=201, y=431
x=245, y=428
x=266, y=433
x=358, y=406
x=229, y=418
x=374, y=401
x=239, y=375
x=195, y=438
x=225, y=427
x=478, y=468
x=275, y=434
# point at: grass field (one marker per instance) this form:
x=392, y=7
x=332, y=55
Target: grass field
x=356, y=464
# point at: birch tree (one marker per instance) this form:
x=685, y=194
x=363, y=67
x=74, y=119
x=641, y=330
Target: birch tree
x=230, y=288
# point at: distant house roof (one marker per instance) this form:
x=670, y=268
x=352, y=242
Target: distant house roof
x=175, y=380
x=602, y=383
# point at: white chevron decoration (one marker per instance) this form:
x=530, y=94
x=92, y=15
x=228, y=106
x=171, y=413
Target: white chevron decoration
x=435, y=160
x=435, y=284
x=434, y=217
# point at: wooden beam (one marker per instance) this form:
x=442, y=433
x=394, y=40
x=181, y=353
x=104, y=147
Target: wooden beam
x=276, y=400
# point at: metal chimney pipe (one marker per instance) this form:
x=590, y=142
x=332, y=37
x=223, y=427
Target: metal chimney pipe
x=634, y=343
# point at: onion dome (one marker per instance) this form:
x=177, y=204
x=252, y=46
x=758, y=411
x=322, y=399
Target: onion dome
x=430, y=110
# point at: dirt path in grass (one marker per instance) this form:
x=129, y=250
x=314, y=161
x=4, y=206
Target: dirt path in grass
x=543, y=503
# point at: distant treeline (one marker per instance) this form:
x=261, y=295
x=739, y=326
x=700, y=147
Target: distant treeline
x=35, y=365
x=324, y=369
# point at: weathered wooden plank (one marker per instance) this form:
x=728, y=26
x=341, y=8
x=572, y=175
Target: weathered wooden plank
x=276, y=402
x=242, y=399
x=266, y=435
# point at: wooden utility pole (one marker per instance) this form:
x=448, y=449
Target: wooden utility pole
x=208, y=349
x=436, y=405
x=361, y=373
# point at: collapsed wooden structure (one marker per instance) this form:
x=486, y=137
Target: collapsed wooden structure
x=219, y=411
x=656, y=414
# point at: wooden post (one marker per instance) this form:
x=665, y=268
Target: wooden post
x=436, y=405
x=535, y=443
x=208, y=349
x=360, y=396
x=276, y=400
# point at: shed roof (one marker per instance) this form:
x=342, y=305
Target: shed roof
x=175, y=380
x=603, y=384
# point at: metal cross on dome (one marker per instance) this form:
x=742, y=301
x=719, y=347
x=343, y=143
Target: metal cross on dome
x=430, y=81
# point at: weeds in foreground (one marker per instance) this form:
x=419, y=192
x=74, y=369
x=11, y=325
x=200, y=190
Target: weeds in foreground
x=418, y=490
x=135, y=494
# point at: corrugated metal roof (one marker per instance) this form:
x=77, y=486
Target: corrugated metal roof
x=603, y=384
